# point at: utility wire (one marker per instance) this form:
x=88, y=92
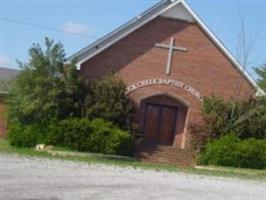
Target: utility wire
x=45, y=27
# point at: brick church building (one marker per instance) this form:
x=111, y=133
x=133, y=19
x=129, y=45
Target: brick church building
x=170, y=61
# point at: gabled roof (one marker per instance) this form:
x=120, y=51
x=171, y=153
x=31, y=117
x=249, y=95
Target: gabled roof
x=6, y=75
x=177, y=9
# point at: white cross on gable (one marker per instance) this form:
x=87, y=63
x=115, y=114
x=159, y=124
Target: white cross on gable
x=171, y=48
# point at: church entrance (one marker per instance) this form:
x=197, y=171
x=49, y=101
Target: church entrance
x=162, y=120
x=160, y=123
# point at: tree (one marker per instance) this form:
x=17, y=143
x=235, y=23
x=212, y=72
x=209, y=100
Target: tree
x=246, y=39
x=245, y=47
x=107, y=100
x=261, y=71
x=46, y=88
x=247, y=121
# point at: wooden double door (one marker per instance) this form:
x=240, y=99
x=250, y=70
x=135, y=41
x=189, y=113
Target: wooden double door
x=160, y=123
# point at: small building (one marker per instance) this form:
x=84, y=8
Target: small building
x=170, y=60
x=6, y=75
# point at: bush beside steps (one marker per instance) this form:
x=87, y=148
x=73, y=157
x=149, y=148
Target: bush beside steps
x=229, y=150
x=97, y=136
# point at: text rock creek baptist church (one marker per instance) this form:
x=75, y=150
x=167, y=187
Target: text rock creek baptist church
x=169, y=60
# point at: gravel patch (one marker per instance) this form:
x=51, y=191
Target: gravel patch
x=27, y=178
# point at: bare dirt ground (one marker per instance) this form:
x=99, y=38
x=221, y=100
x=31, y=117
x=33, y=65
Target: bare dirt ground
x=26, y=178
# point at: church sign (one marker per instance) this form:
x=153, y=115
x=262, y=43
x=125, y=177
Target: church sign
x=161, y=81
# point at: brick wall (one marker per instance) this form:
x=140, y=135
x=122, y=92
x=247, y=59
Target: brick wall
x=203, y=67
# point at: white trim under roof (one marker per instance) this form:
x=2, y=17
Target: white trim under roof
x=165, y=8
x=119, y=33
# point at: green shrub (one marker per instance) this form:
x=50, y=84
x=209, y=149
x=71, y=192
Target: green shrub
x=220, y=151
x=25, y=136
x=252, y=154
x=229, y=150
x=70, y=133
x=97, y=136
x=120, y=143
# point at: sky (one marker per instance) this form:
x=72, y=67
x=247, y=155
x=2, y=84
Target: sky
x=77, y=23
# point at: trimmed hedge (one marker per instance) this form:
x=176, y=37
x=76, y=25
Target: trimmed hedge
x=229, y=150
x=98, y=136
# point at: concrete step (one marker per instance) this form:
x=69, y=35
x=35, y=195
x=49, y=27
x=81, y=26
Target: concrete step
x=164, y=154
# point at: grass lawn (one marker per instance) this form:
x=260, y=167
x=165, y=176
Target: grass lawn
x=5, y=147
